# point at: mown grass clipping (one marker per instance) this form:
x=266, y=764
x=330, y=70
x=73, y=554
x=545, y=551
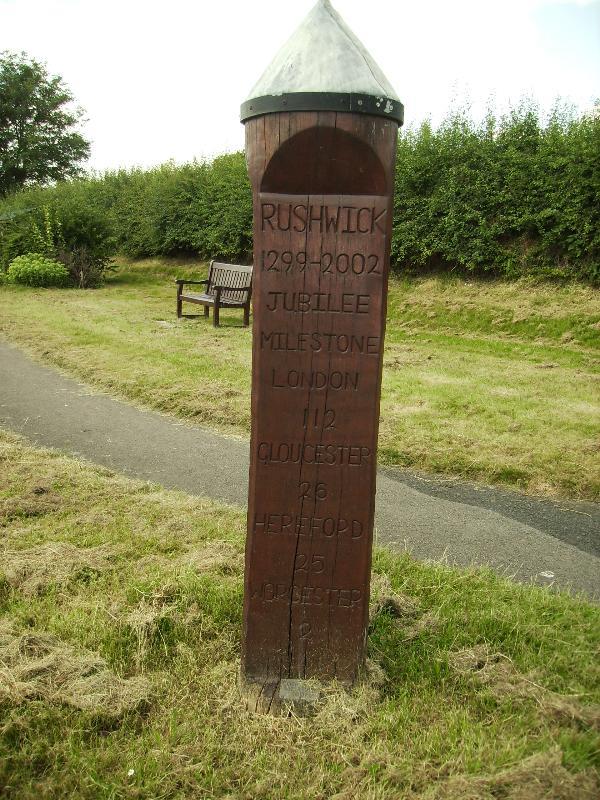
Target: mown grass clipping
x=119, y=650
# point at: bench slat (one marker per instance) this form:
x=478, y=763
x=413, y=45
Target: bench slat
x=206, y=299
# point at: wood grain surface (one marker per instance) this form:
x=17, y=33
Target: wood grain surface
x=322, y=187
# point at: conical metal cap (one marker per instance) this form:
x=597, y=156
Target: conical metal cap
x=323, y=66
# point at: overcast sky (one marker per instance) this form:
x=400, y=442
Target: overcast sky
x=164, y=80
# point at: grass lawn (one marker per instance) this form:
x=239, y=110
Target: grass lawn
x=119, y=647
x=489, y=381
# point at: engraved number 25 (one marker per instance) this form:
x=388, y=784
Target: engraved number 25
x=316, y=563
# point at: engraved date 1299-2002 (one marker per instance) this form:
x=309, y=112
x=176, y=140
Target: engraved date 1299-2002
x=289, y=262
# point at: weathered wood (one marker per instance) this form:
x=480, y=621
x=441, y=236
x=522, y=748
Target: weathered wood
x=323, y=190
x=227, y=286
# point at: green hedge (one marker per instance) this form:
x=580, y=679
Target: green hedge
x=507, y=197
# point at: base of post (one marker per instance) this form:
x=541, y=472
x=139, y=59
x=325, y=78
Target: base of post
x=281, y=697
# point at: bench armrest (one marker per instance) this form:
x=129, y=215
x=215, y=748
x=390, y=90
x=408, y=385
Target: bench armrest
x=182, y=282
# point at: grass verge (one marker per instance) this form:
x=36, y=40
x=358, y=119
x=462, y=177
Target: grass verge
x=487, y=381
x=119, y=646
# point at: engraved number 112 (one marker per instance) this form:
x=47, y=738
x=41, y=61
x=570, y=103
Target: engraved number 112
x=319, y=418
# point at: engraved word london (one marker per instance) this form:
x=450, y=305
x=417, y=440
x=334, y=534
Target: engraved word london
x=322, y=187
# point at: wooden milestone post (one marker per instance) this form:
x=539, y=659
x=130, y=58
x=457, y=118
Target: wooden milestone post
x=321, y=128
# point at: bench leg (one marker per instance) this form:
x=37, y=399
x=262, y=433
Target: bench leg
x=246, y=316
x=178, y=307
x=216, y=316
x=206, y=311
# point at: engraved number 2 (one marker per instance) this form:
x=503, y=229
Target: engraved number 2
x=269, y=260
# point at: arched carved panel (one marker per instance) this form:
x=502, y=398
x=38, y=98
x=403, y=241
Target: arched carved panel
x=325, y=160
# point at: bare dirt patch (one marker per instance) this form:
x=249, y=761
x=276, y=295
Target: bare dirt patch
x=498, y=673
x=39, y=666
x=31, y=571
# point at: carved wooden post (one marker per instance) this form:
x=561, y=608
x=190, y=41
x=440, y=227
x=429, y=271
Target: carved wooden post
x=321, y=129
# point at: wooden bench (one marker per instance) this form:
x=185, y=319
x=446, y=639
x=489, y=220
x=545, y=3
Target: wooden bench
x=227, y=286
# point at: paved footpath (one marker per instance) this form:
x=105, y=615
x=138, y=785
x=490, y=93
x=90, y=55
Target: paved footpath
x=541, y=541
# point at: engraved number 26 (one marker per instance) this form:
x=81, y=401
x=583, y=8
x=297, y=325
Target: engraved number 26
x=313, y=491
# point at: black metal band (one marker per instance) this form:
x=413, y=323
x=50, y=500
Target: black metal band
x=323, y=101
